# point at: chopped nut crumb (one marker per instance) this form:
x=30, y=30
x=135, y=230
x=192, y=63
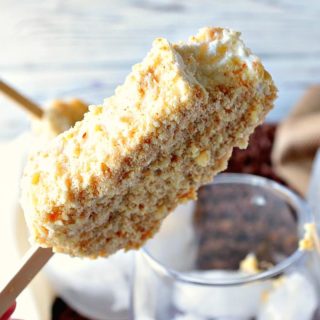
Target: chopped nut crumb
x=203, y=158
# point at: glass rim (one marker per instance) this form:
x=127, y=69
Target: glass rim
x=299, y=204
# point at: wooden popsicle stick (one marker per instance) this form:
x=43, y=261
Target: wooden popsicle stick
x=21, y=100
x=31, y=264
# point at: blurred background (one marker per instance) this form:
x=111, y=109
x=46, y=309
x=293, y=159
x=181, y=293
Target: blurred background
x=61, y=49
x=84, y=48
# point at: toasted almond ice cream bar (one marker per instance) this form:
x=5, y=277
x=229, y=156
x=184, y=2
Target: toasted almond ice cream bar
x=107, y=183
x=59, y=117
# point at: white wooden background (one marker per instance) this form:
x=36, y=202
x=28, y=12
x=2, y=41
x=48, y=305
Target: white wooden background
x=84, y=48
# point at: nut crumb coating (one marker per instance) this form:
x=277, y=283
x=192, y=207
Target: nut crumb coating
x=107, y=183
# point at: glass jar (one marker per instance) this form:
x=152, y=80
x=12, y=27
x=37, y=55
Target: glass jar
x=232, y=254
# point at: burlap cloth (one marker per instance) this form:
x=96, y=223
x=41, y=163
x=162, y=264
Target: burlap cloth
x=297, y=140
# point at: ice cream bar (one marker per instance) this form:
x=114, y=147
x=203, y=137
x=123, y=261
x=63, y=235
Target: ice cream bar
x=107, y=183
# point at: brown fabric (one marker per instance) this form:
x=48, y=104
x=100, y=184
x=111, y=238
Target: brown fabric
x=297, y=140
